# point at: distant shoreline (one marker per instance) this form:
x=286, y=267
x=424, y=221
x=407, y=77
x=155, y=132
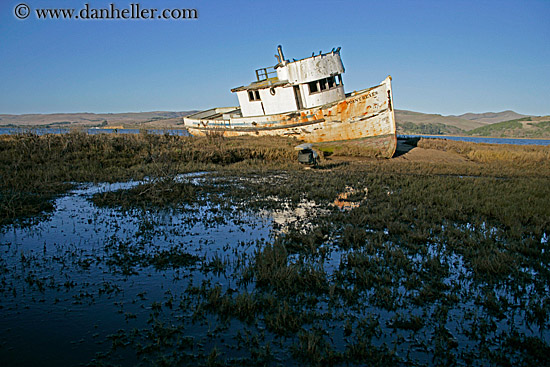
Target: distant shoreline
x=423, y=124
x=482, y=139
x=467, y=136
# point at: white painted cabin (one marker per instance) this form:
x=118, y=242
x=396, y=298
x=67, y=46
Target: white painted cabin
x=298, y=84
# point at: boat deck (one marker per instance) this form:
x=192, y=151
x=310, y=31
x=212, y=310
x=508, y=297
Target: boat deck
x=220, y=113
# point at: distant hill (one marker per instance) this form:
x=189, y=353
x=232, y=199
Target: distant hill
x=496, y=124
x=492, y=117
x=130, y=119
x=409, y=122
x=527, y=127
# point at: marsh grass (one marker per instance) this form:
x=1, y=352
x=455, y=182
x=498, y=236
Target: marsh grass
x=492, y=213
x=348, y=151
x=432, y=260
x=163, y=193
x=34, y=169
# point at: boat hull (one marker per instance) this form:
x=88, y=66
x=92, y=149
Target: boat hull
x=363, y=119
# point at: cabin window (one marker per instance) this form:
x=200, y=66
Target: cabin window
x=313, y=87
x=324, y=84
x=253, y=95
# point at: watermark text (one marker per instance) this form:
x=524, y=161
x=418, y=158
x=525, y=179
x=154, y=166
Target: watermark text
x=89, y=12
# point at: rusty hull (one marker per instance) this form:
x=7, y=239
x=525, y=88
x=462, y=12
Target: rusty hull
x=364, y=118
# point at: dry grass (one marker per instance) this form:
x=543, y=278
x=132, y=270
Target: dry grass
x=491, y=153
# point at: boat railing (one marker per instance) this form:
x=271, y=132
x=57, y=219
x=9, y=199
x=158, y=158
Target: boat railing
x=262, y=74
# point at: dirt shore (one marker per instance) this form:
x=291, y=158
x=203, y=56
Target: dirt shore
x=408, y=152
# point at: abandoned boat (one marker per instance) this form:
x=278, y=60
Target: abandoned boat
x=305, y=99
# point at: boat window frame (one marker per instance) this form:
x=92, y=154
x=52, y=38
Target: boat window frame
x=313, y=85
x=324, y=84
x=253, y=95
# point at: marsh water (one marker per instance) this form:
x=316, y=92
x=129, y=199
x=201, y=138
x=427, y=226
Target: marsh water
x=60, y=130
x=63, y=295
x=209, y=282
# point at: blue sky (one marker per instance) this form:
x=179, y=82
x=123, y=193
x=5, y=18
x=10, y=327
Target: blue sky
x=447, y=57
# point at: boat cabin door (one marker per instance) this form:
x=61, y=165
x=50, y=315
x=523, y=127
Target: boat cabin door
x=298, y=97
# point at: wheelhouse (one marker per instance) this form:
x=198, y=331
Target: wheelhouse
x=293, y=85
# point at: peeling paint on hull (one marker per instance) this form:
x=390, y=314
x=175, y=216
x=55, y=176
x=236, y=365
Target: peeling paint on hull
x=365, y=118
